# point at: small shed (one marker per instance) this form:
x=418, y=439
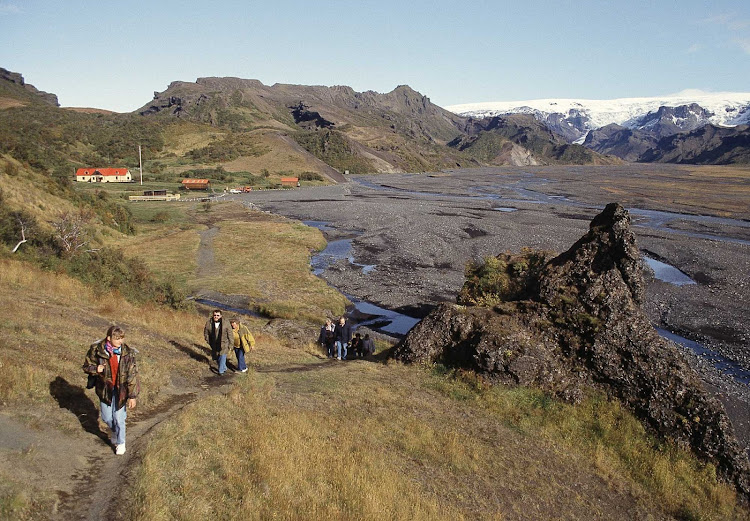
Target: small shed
x=196, y=184
x=290, y=181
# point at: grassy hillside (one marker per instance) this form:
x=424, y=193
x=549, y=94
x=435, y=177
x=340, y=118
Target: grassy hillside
x=298, y=437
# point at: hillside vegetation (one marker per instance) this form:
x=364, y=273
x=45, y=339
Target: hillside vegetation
x=299, y=436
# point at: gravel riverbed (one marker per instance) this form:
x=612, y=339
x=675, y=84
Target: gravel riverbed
x=416, y=232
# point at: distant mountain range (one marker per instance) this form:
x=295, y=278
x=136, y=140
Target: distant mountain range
x=633, y=128
x=244, y=125
x=574, y=118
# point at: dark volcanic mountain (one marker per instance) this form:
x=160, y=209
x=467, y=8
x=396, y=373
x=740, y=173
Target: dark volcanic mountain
x=708, y=145
x=628, y=128
x=400, y=130
x=668, y=121
x=620, y=141
x=522, y=139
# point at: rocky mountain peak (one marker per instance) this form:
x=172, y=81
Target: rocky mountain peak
x=574, y=323
x=17, y=79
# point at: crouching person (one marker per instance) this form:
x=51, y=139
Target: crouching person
x=112, y=364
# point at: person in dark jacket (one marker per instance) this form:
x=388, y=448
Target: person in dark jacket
x=356, y=346
x=220, y=338
x=368, y=346
x=343, y=334
x=113, y=365
x=327, y=337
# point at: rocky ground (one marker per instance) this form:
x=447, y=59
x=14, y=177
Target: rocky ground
x=420, y=230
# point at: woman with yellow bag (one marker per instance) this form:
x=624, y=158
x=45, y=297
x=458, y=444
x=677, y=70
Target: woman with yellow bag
x=243, y=343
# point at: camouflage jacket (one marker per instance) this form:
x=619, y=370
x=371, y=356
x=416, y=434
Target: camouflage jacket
x=128, y=381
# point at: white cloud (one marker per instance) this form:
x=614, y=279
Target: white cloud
x=744, y=44
x=9, y=9
x=738, y=29
x=694, y=48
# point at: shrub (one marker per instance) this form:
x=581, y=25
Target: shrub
x=310, y=176
x=502, y=278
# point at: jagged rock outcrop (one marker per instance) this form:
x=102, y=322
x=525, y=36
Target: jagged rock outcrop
x=574, y=322
x=16, y=78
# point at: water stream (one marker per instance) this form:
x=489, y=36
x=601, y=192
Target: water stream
x=364, y=313
x=720, y=362
x=667, y=273
x=527, y=190
x=397, y=324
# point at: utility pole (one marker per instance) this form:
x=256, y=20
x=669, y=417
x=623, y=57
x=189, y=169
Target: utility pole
x=140, y=163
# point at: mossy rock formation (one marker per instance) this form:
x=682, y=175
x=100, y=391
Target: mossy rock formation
x=573, y=323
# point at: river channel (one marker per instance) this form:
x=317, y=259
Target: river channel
x=400, y=242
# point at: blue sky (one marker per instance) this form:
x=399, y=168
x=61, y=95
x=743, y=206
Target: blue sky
x=114, y=55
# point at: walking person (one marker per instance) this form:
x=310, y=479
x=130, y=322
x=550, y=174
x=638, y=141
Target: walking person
x=113, y=365
x=343, y=335
x=243, y=342
x=219, y=338
x=368, y=346
x=327, y=337
x=356, y=346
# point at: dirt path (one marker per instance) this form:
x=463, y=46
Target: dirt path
x=99, y=487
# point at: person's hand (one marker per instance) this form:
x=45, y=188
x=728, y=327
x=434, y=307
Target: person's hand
x=100, y=368
x=131, y=403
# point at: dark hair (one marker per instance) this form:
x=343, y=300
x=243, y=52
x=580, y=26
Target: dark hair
x=115, y=332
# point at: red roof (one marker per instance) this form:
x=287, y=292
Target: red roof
x=195, y=181
x=289, y=179
x=102, y=171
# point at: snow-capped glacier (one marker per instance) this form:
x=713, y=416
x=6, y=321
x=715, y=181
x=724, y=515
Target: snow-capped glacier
x=583, y=115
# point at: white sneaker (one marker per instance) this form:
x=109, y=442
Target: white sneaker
x=243, y=370
x=120, y=449
x=338, y=358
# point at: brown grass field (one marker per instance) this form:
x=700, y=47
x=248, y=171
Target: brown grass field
x=299, y=436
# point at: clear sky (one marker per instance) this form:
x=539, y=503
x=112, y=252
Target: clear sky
x=114, y=55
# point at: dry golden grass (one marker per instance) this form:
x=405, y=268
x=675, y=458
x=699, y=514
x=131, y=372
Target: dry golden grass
x=267, y=259
x=302, y=437
x=168, y=253
x=19, y=192
x=9, y=103
x=45, y=309
x=183, y=138
x=713, y=190
x=283, y=156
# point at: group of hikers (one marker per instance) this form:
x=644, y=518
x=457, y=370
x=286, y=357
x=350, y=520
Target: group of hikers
x=112, y=369
x=338, y=342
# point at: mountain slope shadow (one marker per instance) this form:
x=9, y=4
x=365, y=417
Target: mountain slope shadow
x=74, y=399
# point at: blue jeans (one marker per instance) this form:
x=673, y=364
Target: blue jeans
x=222, y=363
x=114, y=416
x=240, y=354
x=341, y=347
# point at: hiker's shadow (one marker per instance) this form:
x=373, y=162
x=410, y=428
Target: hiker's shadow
x=75, y=399
x=197, y=352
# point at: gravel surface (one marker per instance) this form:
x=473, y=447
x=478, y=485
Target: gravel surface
x=420, y=230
